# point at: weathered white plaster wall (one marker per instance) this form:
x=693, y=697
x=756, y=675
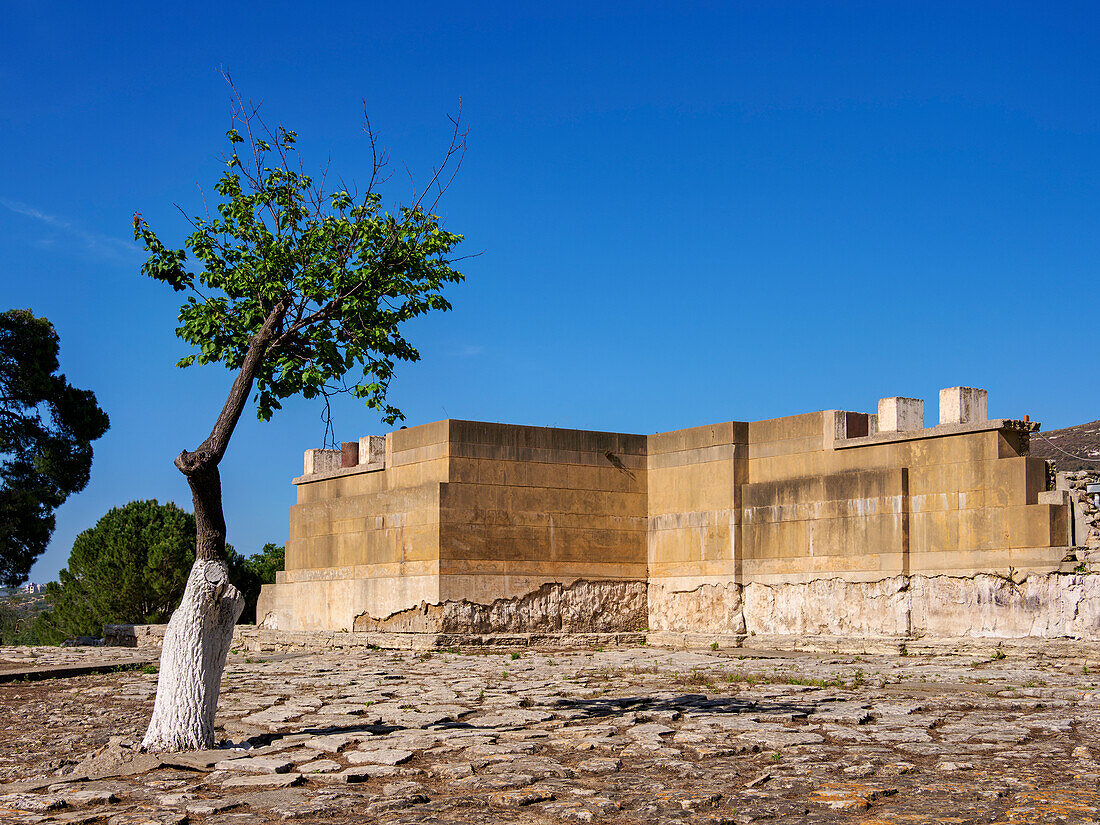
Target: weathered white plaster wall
x=1048, y=605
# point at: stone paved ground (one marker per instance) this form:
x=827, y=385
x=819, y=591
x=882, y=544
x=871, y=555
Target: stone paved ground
x=617, y=736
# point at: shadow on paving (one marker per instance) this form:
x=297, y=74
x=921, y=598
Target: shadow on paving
x=687, y=705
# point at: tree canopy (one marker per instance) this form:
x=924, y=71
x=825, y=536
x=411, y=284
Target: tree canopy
x=47, y=428
x=131, y=567
x=323, y=280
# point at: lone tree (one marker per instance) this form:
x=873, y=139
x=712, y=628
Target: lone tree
x=297, y=287
x=47, y=428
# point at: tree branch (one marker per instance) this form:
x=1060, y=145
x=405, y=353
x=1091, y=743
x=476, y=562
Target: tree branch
x=210, y=452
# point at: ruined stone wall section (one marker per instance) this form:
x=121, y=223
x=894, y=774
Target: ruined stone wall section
x=582, y=607
x=709, y=608
x=827, y=495
x=821, y=523
x=1086, y=512
x=362, y=537
x=829, y=607
x=1044, y=606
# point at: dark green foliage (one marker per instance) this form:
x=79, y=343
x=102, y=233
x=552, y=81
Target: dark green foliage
x=17, y=618
x=46, y=430
x=249, y=574
x=130, y=568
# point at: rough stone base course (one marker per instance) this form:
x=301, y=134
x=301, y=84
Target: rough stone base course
x=1053, y=605
x=902, y=612
x=581, y=607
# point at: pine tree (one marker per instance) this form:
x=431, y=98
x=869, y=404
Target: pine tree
x=130, y=568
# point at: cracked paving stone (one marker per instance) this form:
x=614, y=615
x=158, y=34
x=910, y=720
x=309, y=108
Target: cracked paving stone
x=200, y=760
x=520, y=798
x=334, y=743
x=379, y=756
x=206, y=807
x=320, y=766
x=359, y=773
x=779, y=739
x=30, y=803
x=148, y=817
x=849, y=798
x=498, y=782
x=588, y=810
x=538, y=767
x=256, y=764
x=517, y=718
x=457, y=770
x=404, y=789
x=396, y=803
x=599, y=765
x=276, y=780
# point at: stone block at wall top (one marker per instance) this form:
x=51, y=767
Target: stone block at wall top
x=320, y=461
x=899, y=414
x=372, y=451
x=963, y=405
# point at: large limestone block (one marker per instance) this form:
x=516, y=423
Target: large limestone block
x=898, y=414
x=963, y=405
x=320, y=461
x=791, y=426
x=1046, y=606
x=332, y=605
x=372, y=452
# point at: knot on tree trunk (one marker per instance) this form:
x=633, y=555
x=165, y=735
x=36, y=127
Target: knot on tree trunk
x=192, y=463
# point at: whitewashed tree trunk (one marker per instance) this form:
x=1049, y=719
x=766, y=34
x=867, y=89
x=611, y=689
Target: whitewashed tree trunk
x=192, y=659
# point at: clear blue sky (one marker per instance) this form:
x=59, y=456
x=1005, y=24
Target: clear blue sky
x=685, y=213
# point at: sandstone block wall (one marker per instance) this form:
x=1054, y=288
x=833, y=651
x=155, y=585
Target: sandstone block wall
x=526, y=506
x=490, y=524
x=461, y=512
x=694, y=504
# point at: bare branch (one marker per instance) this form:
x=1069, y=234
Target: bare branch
x=378, y=158
x=457, y=147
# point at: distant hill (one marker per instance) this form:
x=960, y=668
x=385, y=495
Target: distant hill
x=1081, y=443
x=17, y=614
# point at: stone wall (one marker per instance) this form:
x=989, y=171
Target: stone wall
x=1085, y=510
x=528, y=506
x=460, y=512
x=829, y=521
x=898, y=609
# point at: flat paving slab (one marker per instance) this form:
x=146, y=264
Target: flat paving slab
x=626, y=735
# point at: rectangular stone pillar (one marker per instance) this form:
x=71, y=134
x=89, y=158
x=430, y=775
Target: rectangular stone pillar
x=321, y=461
x=349, y=453
x=963, y=405
x=372, y=452
x=899, y=414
